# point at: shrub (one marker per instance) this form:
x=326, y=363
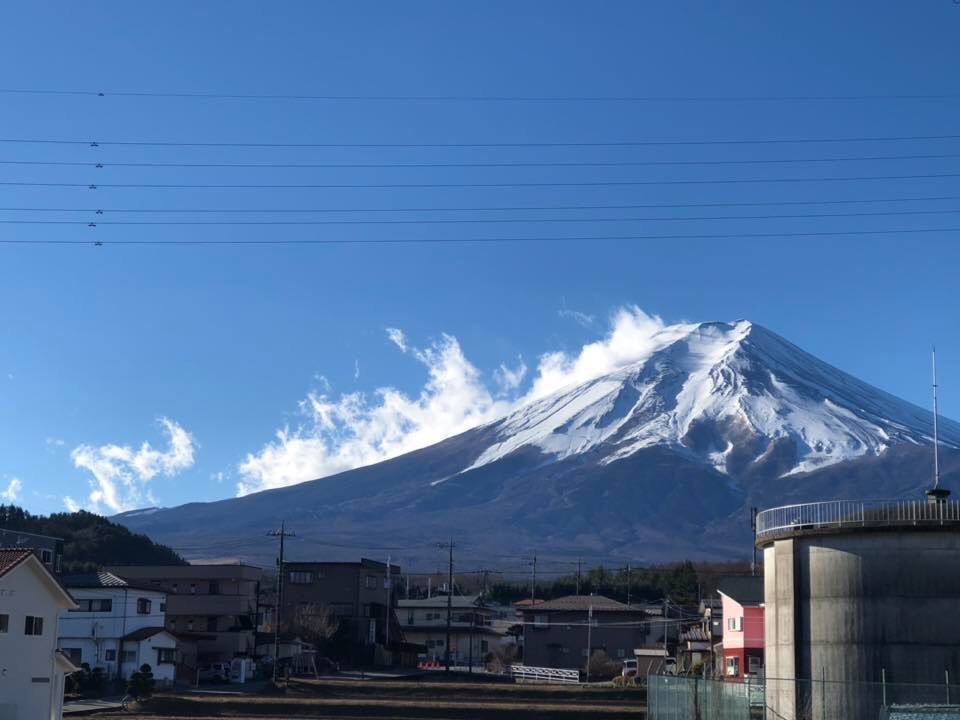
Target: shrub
x=140, y=685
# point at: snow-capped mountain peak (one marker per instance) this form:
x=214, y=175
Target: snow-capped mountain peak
x=728, y=394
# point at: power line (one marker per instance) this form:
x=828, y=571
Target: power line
x=503, y=208
x=489, y=240
x=184, y=95
x=472, y=221
x=614, y=143
x=617, y=163
x=400, y=186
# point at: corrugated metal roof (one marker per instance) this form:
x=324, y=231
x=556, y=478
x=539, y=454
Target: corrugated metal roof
x=99, y=579
x=694, y=634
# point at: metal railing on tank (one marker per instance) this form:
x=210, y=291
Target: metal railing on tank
x=789, y=519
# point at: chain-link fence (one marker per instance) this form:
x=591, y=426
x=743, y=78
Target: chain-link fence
x=672, y=697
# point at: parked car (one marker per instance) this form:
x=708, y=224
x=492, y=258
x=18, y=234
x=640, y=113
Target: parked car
x=629, y=668
x=214, y=673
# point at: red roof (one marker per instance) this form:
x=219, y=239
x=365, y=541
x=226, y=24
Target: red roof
x=11, y=557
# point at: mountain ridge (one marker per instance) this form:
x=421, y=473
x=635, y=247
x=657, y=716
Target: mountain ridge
x=664, y=454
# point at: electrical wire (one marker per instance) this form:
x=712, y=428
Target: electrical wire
x=856, y=97
x=434, y=208
x=618, y=163
x=492, y=240
x=613, y=144
x=472, y=221
x=400, y=186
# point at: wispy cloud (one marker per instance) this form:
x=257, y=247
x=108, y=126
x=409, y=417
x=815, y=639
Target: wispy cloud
x=53, y=443
x=509, y=379
x=357, y=429
x=120, y=475
x=12, y=491
x=397, y=337
x=578, y=317
x=356, y=369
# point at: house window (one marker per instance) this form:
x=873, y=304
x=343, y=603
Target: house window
x=301, y=578
x=163, y=607
x=94, y=605
x=193, y=588
x=174, y=586
x=33, y=625
x=74, y=654
x=371, y=582
x=108, y=655
x=166, y=656
x=342, y=609
x=4, y=623
x=540, y=621
x=733, y=666
x=214, y=588
x=621, y=653
x=410, y=616
x=735, y=624
x=128, y=656
x=144, y=605
x=754, y=665
x=46, y=557
x=484, y=646
x=212, y=624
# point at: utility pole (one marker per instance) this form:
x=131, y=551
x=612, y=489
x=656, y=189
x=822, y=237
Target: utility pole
x=282, y=534
x=533, y=583
x=628, y=583
x=386, y=622
x=753, y=529
x=579, y=570
x=449, y=547
x=589, y=636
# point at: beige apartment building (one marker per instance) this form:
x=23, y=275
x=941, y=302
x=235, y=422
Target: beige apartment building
x=214, y=605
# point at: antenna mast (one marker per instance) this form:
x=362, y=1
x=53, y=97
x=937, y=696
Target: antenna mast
x=936, y=411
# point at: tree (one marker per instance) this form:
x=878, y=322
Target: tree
x=140, y=685
x=602, y=667
x=312, y=622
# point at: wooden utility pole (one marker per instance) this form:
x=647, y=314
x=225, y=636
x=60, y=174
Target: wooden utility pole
x=282, y=534
x=533, y=583
x=579, y=570
x=449, y=547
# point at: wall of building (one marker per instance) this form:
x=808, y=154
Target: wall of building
x=146, y=652
x=29, y=678
x=562, y=641
x=97, y=634
x=848, y=606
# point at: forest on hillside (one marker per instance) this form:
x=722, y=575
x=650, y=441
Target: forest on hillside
x=90, y=541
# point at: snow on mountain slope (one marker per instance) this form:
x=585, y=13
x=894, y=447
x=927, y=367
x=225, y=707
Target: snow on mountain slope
x=713, y=390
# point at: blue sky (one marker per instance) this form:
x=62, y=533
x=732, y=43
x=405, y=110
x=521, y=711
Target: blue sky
x=230, y=343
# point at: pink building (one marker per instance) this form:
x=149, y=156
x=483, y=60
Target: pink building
x=742, y=598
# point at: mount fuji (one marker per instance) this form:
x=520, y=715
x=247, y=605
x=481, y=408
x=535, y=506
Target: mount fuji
x=659, y=459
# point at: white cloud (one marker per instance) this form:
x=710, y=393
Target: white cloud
x=357, y=430
x=12, y=493
x=509, y=379
x=121, y=475
x=71, y=504
x=397, y=337
x=578, y=317
x=54, y=443
x=356, y=369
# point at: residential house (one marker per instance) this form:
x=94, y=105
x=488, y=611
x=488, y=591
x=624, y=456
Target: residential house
x=48, y=549
x=359, y=594
x=32, y=671
x=117, y=627
x=213, y=605
x=742, y=598
x=555, y=632
x=472, y=635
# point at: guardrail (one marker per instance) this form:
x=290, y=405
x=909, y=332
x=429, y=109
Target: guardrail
x=854, y=513
x=524, y=673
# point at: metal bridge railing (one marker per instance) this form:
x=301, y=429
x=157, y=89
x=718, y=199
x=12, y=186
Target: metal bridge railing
x=854, y=513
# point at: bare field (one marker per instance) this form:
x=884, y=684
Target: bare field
x=405, y=700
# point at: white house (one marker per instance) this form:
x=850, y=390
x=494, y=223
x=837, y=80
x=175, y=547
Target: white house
x=31, y=670
x=117, y=627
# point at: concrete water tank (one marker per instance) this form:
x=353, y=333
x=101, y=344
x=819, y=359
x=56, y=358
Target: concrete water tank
x=862, y=603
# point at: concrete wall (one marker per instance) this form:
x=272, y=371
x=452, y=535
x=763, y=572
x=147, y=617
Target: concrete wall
x=845, y=607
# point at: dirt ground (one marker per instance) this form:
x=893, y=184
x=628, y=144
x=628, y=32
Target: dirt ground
x=405, y=700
